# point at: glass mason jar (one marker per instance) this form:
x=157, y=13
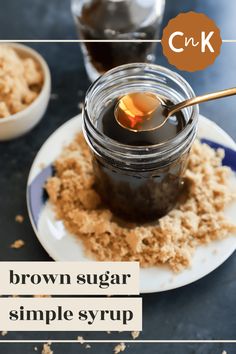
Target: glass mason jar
x=139, y=183
x=116, y=20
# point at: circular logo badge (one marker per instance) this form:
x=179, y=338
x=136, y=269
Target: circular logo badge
x=191, y=41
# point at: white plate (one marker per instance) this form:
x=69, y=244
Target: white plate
x=62, y=246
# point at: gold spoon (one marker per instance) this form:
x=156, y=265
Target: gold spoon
x=146, y=111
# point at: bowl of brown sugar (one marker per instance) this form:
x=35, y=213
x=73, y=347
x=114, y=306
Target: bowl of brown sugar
x=25, y=85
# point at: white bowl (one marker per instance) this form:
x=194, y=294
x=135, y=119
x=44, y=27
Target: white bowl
x=21, y=122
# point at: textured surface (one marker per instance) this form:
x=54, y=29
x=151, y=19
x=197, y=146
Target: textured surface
x=204, y=310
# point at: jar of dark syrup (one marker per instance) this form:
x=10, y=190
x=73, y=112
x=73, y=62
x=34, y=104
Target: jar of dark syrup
x=110, y=20
x=139, y=175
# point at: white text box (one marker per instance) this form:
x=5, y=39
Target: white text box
x=70, y=314
x=69, y=278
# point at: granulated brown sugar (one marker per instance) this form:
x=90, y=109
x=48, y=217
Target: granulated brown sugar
x=21, y=80
x=19, y=218
x=198, y=219
x=135, y=334
x=119, y=348
x=46, y=349
x=17, y=244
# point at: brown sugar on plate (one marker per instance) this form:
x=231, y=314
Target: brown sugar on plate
x=198, y=218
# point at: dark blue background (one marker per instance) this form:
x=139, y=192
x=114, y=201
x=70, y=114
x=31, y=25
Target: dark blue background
x=203, y=310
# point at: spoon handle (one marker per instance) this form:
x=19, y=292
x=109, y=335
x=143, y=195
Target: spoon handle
x=195, y=100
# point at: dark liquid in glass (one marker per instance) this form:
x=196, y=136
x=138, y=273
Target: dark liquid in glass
x=104, y=19
x=140, y=194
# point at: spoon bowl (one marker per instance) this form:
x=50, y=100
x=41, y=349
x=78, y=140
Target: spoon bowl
x=140, y=111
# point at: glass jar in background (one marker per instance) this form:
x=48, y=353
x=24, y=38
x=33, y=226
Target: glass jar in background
x=117, y=20
x=139, y=182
